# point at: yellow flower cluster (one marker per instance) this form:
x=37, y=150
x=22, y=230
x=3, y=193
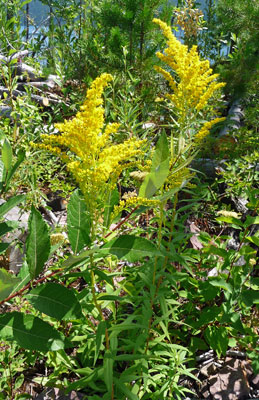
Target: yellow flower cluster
x=56, y=238
x=133, y=202
x=205, y=129
x=86, y=146
x=176, y=179
x=138, y=175
x=226, y=213
x=193, y=82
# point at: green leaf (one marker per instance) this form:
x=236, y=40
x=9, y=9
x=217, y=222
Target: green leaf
x=217, y=338
x=112, y=200
x=100, y=335
x=108, y=371
x=253, y=239
x=24, y=277
x=37, y=243
x=2, y=175
x=232, y=318
x=125, y=390
x=5, y=228
x=250, y=297
x=161, y=153
x=207, y=291
x=7, y=283
x=251, y=221
x=24, y=3
x=169, y=194
x=11, y=172
x=111, y=297
x=7, y=154
x=56, y=301
x=30, y=332
x=78, y=222
x=9, y=204
x=74, y=261
x=3, y=247
x=197, y=344
x=222, y=284
x=131, y=248
x=236, y=223
x=208, y=315
x=159, y=169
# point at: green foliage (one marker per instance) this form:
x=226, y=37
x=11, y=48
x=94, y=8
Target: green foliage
x=37, y=243
x=7, y=168
x=239, y=20
x=7, y=283
x=78, y=221
x=159, y=169
x=124, y=309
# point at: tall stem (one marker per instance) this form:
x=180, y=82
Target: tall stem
x=156, y=259
x=97, y=305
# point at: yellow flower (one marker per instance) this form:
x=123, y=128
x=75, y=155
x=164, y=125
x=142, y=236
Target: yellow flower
x=192, y=82
x=134, y=201
x=86, y=146
x=226, y=213
x=205, y=129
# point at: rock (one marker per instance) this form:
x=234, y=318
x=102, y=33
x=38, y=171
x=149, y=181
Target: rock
x=231, y=381
x=255, y=382
x=240, y=204
x=235, y=115
x=14, y=252
x=148, y=125
x=5, y=111
x=194, y=240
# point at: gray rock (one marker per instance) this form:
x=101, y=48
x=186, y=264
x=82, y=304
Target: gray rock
x=15, y=252
x=231, y=381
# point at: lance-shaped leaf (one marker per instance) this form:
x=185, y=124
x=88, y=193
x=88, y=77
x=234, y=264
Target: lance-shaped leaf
x=7, y=154
x=11, y=172
x=37, y=243
x=112, y=200
x=4, y=247
x=30, y=332
x=131, y=248
x=108, y=371
x=78, y=222
x=159, y=169
x=7, y=283
x=24, y=277
x=9, y=204
x=2, y=175
x=5, y=228
x=56, y=301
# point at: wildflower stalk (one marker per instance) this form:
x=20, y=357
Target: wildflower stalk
x=97, y=305
x=192, y=82
x=152, y=300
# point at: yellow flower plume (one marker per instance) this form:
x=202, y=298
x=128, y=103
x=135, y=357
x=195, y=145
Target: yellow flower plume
x=193, y=82
x=86, y=147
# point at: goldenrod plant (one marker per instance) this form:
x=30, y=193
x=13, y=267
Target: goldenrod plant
x=85, y=145
x=192, y=81
x=120, y=313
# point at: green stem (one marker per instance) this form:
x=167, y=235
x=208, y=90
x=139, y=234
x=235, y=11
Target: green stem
x=97, y=305
x=159, y=240
x=165, y=260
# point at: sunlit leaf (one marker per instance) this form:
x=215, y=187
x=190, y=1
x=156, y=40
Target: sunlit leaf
x=37, y=243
